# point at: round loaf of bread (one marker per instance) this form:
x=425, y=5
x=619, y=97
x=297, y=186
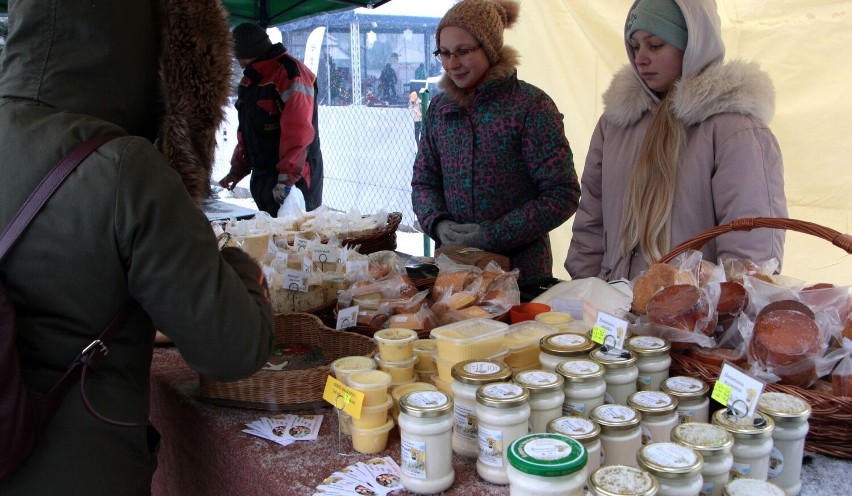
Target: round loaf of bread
x=682, y=306
x=786, y=305
x=783, y=338
x=657, y=277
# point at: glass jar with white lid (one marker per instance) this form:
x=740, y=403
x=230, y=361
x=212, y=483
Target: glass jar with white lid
x=546, y=396
x=676, y=467
x=503, y=413
x=584, y=386
x=752, y=442
x=659, y=415
x=562, y=346
x=468, y=376
x=714, y=443
x=790, y=414
x=622, y=480
x=653, y=360
x=546, y=465
x=586, y=432
x=693, y=405
x=425, y=431
x=621, y=433
x=620, y=373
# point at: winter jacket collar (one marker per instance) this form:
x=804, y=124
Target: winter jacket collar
x=502, y=70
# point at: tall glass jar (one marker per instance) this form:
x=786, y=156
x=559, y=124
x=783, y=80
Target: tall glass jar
x=676, y=467
x=546, y=465
x=659, y=415
x=621, y=434
x=546, y=396
x=425, y=431
x=620, y=373
x=562, y=346
x=622, y=480
x=586, y=432
x=790, y=414
x=693, y=405
x=584, y=386
x=503, y=413
x=652, y=359
x=714, y=443
x=467, y=377
x=752, y=443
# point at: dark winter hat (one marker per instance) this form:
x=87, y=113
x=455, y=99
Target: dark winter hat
x=662, y=18
x=485, y=20
x=250, y=41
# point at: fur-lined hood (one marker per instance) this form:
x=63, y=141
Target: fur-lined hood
x=736, y=87
x=165, y=76
x=504, y=68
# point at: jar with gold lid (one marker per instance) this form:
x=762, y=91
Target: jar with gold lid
x=562, y=346
x=622, y=480
x=652, y=359
x=584, y=386
x=621, y=434
x=659, y=415
x=468, y=375
x=693, y=405
x=620, y=373
x=583, y=430
x=546, y=396
x=714, y=443
x=503, y=413
x=790, y=414
x=425, y=430
x=676, y=467
x=752, y=442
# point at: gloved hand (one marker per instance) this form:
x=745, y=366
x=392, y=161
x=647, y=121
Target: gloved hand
x=443, y=230
x=468, y=235
x=280, y=192
x=230, y=181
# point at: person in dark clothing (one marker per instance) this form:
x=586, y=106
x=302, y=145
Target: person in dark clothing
x=277, y=137
x=388, y=80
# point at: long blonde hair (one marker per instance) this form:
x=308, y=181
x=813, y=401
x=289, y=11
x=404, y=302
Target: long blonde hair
x=650, y=193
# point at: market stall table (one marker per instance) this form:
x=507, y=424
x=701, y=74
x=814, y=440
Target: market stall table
x=204, y=450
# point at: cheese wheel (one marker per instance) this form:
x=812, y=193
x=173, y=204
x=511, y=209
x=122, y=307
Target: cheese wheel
x=784, y=338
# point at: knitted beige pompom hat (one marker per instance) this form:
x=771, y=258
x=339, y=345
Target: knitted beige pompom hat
x=485, y=20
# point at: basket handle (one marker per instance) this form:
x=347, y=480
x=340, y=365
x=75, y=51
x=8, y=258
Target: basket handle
x=836, y=238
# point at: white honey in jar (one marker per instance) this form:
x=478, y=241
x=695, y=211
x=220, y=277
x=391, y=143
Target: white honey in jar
x=676, y=467
x=752, y=487
x=620, y=373
x=584, y=431
x=621, y=434
x=693, y=405
x=562, y=346
x=622, y=480
x=468, y=376
x=659, y=415
x=546, y=396
x=425, y=430
x=546, y=465
x=752, y=443
x=584, y=386
x=653, y=360
x=503, y=413
x=790, y=414
x=714, y=443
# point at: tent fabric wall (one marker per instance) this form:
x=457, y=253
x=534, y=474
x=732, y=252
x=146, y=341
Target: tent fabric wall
x=571, y=48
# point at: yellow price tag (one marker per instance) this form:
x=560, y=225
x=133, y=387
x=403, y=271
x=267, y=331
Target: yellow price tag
x=598, y=334
x=721, y=392
x=343, y=397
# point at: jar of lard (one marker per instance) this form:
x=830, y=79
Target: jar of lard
x=693, y=405
x=621, y=434
x=714, y=443
x=503, y=413
x=790, y=414
x=752, y=443
x=659, y=415
x=752, y=487
x=467, y=377
x=546, y=396
x=546, y=465
x=584, y=386
x=652, y=359
x=621, y=480
x=425, y=430
x=562, y=346
x=676, y=467
x=586, y=432
x=620, y=373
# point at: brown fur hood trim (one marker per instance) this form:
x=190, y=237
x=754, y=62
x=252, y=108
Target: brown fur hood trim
x=508, y=64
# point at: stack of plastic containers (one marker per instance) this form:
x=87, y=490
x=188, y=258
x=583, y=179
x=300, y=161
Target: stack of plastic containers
x=466, y=340
x=370, y=431
x=522, y=342
x=426, y=368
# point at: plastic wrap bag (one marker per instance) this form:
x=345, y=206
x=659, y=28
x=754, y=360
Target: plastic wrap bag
x=293, y=206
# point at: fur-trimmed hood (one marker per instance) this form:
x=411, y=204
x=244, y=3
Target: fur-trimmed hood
x=736, y=87
x=504, y=68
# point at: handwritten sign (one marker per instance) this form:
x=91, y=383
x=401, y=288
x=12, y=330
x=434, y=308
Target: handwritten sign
x=343, y=397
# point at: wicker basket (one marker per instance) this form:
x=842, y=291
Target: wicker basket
x=290, y=389
x=831, y=418
x=383, y=239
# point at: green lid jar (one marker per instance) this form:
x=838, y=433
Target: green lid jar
x=546, y=464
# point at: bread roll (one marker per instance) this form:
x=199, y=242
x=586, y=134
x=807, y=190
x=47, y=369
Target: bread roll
x=657, y=277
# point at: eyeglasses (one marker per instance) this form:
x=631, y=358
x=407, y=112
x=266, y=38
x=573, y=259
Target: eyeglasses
x=461, y=53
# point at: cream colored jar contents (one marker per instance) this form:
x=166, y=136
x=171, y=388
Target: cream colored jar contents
x=752, y=487
x=620, y=373
x=468, y=376
x=562, y=346
x=752, y=442
x=652, y=359
x=546, y=465
x=425, y=430
x=584, y=386
x=790, y=414
x=503, y=412
x=659, y=415
x=714, y=443
x=586, y=432
x=693, y=405
x=546, y=396
x=621, y=480
x=621, y=435
x=676, y=467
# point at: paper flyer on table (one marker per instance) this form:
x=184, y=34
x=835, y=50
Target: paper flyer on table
x=375, y=477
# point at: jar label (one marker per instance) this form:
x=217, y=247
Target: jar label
x=643, y=383
x=706, y=489
x=547, y=449
x=647, y=436
x=427, y=399
x=537, y=378
x=685, y=416
x=570, y=408
x=740, y=470
x=615, y=412
x=579, y=367
x=491, y=447
x=413, y=457
x=464, y=422
x=684, y=384
x=502, y=391
x=481, y=368
x=670, y=455
x=652, y=399
x=569, y=340
x=776, y=462
x=647, y=343
x=573, y=426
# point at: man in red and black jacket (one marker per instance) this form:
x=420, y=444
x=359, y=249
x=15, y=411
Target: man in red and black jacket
x=277, y=137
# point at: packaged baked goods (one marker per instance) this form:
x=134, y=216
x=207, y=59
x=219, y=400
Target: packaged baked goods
x=647, y=284
x=682, y=306
x=785, y=342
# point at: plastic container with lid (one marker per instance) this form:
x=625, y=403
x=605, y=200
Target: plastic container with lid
x=522, y=341
x=676, y=467
x=559, y=321
x=373, y=416
x=471, y=338
x=395, y=345
x=752, y=442
x=790, y=414
x=444, y=386
x=445, y=367
x=400, y=391
x=373, y=383
x=562, y=346
x=752, y=487
x=584, y=386
x=652, y=359
x=546, y=465
x=425, y=429
x=468, y=376
x=401, y=372
x=620, y=373
x=546, y=396
x=693, y=405
x=586, y=432
x=423, y=376
x=344, y=366
x=714, y=443
x=425, y=351
x=621, y=433
x=622, y=480
x=373, y=440
x=659, y=415
x=502, y=412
